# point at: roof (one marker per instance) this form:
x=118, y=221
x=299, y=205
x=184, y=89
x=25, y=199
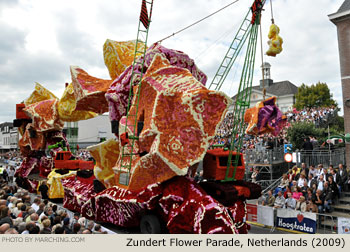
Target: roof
x=278, y=89
x=344, y=7
x=343, y=12
x=3, y=125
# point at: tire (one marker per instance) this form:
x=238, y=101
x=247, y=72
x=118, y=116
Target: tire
x=150, y=224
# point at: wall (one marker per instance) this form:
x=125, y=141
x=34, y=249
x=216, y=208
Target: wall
x=90, y=131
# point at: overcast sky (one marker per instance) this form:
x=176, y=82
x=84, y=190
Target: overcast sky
x=40, y=39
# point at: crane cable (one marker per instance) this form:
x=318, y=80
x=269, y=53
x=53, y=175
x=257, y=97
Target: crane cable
x=159, y=41
x=262, y=62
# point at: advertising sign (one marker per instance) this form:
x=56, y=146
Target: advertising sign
x=343, y=225
x=296, y=220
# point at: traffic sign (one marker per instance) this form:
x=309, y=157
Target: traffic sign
x=288, y=148
x=288, y=157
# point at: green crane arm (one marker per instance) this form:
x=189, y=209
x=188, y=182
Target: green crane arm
x=248, y=29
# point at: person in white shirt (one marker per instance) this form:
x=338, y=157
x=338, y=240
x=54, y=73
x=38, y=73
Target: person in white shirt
x=301, y=180
x=319, y=170
x=36, y=204
x=320, y=183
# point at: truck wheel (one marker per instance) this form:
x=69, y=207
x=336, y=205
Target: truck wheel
x=150, y=224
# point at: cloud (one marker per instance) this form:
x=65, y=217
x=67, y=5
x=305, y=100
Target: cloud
x=43, y=38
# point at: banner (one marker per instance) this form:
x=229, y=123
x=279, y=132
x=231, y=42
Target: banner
x=265, y=215
x=343, y=225
x=296, y=220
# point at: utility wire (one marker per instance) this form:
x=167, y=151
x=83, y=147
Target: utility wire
x=159, y=41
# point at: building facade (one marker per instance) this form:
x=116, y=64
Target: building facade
x=285, y=91
x=88, y=132
x=8, y=137
x=342, y=20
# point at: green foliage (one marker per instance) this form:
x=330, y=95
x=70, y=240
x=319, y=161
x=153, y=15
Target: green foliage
x=314, y=96
x=298, y=131
x=338, y=124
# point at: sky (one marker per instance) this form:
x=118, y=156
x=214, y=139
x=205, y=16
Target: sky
x=40, y=39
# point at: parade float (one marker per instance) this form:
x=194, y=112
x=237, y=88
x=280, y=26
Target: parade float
x=164, y=119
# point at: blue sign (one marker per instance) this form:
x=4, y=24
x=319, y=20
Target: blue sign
x=296, y=220
x=288, y=148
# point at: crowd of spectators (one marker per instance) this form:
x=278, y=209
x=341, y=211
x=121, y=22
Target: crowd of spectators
x=308, y=189
x=318, y=116
x=20, y=214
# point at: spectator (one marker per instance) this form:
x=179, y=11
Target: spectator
x=307, y=146
x=261, y=199
x=284, y=183
x=16, y=210
x=4, y=227
x=5, y=216
x=66, y=227
x=41, y=209
x=29, y=226
x=255, y=175
x=343, y=176
x=297, y=193
x=43, y=189
x=302, y=179
x=312, y=171
x=97, y=229
x=327, y=195
x=304, y=170
x=290, y=201
x=75, y=219
x=279, y=201
x=270, y=201
x=304, y=189
x=312, y=181
x=334, y=187
x=11, y=231
x=76, y=228
x=90, y=226
x=301, y=204
x=320, y=183
x=11, y=174
x=319, y=201
x=310, y=201
x=46, y=227
x=36, y=204
x=30, y=212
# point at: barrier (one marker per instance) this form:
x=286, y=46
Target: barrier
x=325, y=157
x=297, y=221
x=252, y=211
x=265, y=215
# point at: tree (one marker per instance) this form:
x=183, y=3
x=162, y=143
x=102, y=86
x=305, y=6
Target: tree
x=314, y=96
x=298, y=131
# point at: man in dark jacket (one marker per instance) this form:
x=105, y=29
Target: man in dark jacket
x=343, y=176
x=307, y=144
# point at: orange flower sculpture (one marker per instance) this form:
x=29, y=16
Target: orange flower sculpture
x=180, y=119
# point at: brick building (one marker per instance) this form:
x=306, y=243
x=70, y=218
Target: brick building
x=342, y=20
